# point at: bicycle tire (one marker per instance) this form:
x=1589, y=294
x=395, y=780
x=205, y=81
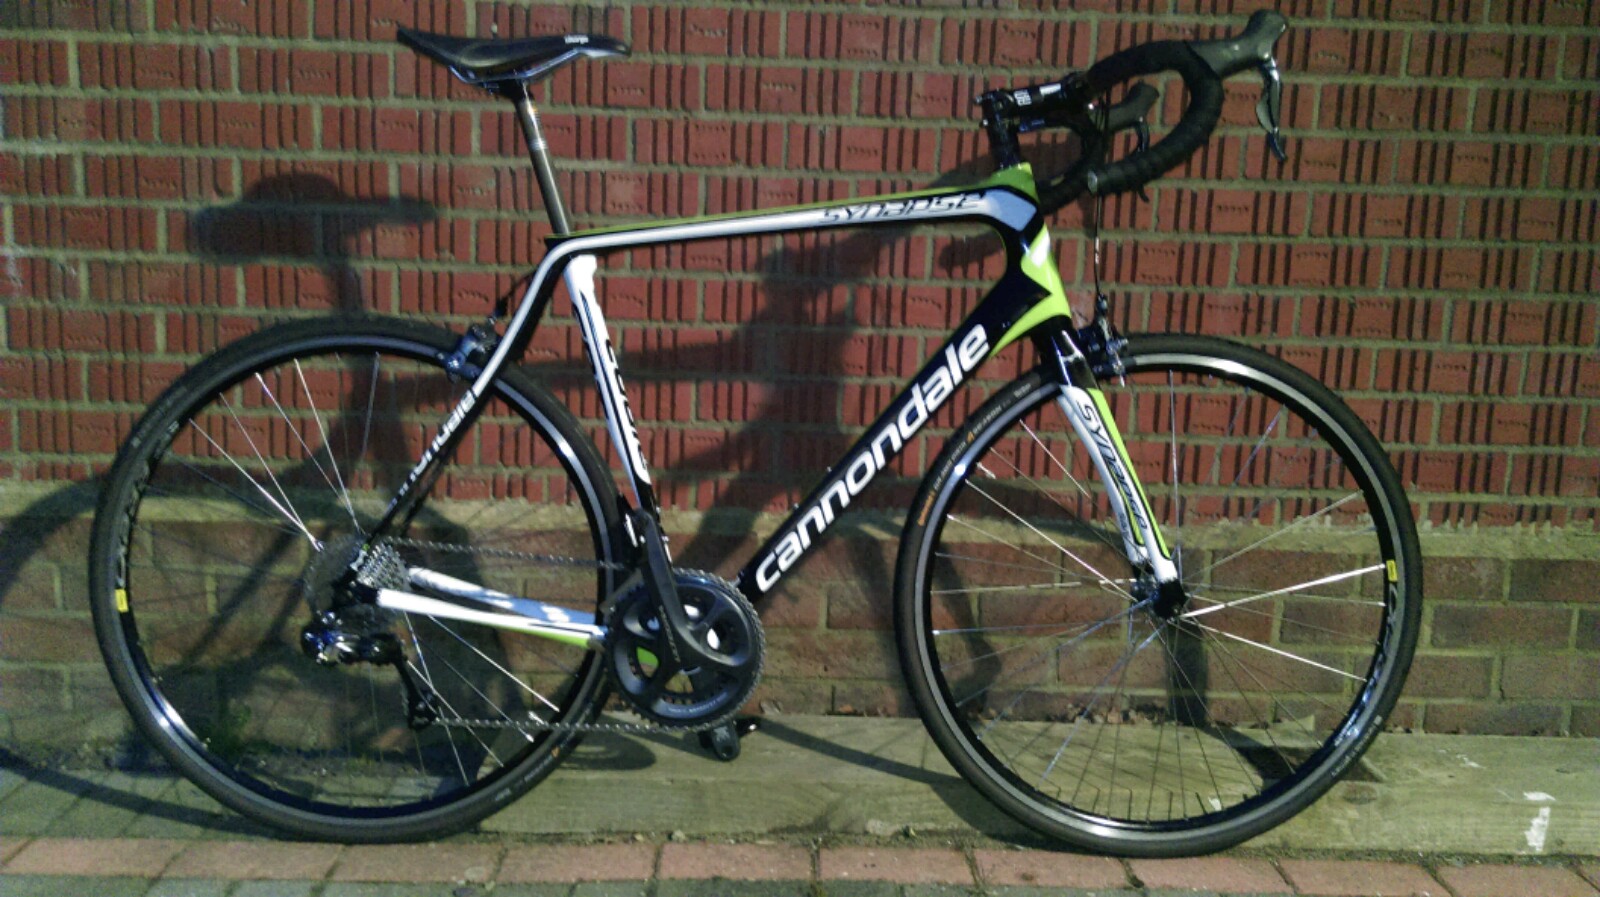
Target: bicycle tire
x=222, y=522
x=1065, y=697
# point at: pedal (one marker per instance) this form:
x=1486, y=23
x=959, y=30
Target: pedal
x=723, y=741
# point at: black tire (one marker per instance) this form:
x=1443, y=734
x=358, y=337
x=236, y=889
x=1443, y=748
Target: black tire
x=1049, y=676
x=220, y=528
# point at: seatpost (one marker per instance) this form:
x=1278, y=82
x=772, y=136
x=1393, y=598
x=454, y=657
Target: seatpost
x=539, y=152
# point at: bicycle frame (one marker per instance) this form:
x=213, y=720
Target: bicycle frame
x=1028, y=300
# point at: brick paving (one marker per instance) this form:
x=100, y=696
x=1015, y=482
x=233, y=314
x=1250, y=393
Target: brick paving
x=575, y=863
x=904, y=865
x=252, y=861
x=123, y=857
x=1348, y=878
x=168, y=868
x=746, y=862
x=1213, y=873
x=1494, y=881
x=417, y=862
x=1051, y=870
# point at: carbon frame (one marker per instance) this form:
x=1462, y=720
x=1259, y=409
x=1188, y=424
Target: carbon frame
x=1028, y=300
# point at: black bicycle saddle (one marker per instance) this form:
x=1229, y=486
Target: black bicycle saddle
x=480, y=60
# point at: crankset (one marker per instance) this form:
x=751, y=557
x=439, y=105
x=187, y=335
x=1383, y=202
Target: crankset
x=723, y=666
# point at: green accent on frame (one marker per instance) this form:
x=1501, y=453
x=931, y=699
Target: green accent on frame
x=1039, y=264
x=1122, y=451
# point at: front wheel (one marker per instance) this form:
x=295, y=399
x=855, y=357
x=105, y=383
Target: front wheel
x=1060, y=683
x=235, y=507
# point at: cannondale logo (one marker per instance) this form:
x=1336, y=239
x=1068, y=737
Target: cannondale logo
x=927, y=397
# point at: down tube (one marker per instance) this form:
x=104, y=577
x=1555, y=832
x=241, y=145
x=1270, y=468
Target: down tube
x=939, y=378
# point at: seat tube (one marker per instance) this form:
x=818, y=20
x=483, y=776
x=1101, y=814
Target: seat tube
x=539, y=152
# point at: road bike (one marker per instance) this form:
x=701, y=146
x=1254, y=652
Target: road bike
x=369, y=580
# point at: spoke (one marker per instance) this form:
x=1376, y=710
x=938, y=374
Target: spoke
x=1200, y=592
x=993, y=563
x=1337, y=577
x=1281, y=653
x=1199, y=742
x=322, y=432
x=1103, y=579
x=372, y=395
x=496, y=664
x=490, y=702
x=1121, y=665
x=1036, y=587
x=1303, y=521
x=287, y=515
x=1089, y=629
x=421, y=665
x=1100, y=534
x=311, y=455
x=240, y=497
x=1256, y=449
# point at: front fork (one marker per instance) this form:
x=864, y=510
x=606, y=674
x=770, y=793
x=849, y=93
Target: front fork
x=1085, y=406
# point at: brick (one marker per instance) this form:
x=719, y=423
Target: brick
x=902, y=865
x=1449, y=676
x=1476, y=625
x=1554, y=581
x=471, y=863
x=1494, y=718
x=1221, y=873
x=248, y=861
x=1548, y=675
x=47, y=639
x=1043, y=869
x=741, y=862
x=1493, y=880
x=1337, y=878
x=576, y=863
x=138, y=858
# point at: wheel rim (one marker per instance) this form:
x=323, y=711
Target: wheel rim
x=1098, y=712
x=222, y=562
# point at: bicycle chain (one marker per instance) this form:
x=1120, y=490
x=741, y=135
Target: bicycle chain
x=541, y=725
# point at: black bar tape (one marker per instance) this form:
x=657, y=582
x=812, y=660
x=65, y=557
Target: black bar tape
x=1069, y=185
x=1191, y=132
x=1133, y=108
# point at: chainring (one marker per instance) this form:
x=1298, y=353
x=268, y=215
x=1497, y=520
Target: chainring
x=722, y=621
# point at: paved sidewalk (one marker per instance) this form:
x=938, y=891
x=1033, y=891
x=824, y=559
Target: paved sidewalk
x=823, y=807
x=137, y=867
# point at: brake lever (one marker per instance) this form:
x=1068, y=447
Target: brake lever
x=1141, y=131
x=1269, y=109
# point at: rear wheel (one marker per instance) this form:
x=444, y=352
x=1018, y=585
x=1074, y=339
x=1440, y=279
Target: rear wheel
x=235, y=506
x=1047, y=667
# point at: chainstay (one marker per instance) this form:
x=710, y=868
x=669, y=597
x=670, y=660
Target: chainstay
x=542, y=726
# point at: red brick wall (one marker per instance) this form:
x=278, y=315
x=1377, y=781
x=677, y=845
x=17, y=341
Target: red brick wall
x=174, y=174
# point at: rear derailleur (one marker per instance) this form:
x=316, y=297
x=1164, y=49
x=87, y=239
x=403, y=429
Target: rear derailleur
x=359, y=633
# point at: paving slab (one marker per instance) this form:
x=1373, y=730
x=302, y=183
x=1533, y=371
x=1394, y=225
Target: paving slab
x=1049, y=869
x=61, y=886
x=1222, y=873
x=919, y=866
x=744, y=862
x=1494, y=880
x=805, y=777
x=1345, y=878
x=1434, y=793
x=132, y=857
